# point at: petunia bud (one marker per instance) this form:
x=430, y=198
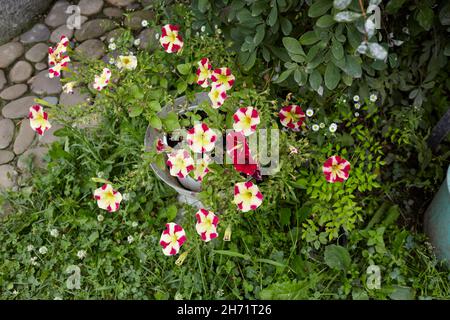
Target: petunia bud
x=227, y=235
x=181, y=259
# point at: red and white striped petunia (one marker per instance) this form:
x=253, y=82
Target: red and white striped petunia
x=201, y=138
x=239, y=151
x=172, y=238
x=108, y=198
x=102, y=80
x=246, y=120
x=39, y=119
x=57, y=59
x=180, y=163
x=170, y=39
x=217, y=97
x=160, y=146
x=204, y=72
x=206, y=225
x=292, y=117
x=201, y=167
x=247, y=196
x=222, y=78
x=336, y=169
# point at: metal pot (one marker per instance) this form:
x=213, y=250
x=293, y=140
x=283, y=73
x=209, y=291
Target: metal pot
x=187, y=188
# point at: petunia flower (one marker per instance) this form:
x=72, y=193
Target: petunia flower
x=292, y=117
x=201, y=138
x=239, y=152
x=170, y=39
x=246, y=120
x=39, y=119
x=247, y=196
x=126, y=62
x=172, y=238
x=68, y=87
x=336, y=169
x=217, y=96
x=180, y=163
x=102, y=81
x=201, y=168
x=161, y=146
x=57, y=59
x=206, y=225
x=108, y=198
x=222, y=78
x=204, y=72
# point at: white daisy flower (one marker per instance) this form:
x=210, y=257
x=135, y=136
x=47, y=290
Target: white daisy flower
x=137, y=42
x=81, y=254
x=202, y=29
x=43, y=250
x=30, y=247
x=130, y=239
x=144, y=23
x=356, y=98
x=356, y=114
x=134, y=224
x=54, y=233
x=357, y=106
x=100, y=218
x=112, y=46
x=322, y=125
x=112, y=61
x=111, y=40
x=33, y=261
x=309, y=112
x=373, y=97
x=333, y=127
x=156, y=36
x=315, y=127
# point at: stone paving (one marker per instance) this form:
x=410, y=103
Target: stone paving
x=24, y=75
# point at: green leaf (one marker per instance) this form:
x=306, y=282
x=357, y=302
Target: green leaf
x=232, y=254
x=337, y=257
x=285, y=216
x=260, y=33
x=181, y=86
x=135, y=110
x=286, y=26
x=171, y=121
x=353, y=67
x=283, y=76
x=319, y=7
x=315, y=80
x=347, y=16
x=247, y=59
x=444, y=15
x=184, y=69
x=332, y=76
x=170, y=212
x=273, y=15
x=155, y=122
x=341, y=4
x=394, y=5
x=154, y=106
x=203, y=5
x=425, y=17
x=300, y=77
x=309, y=38
x=292, y=45
x=337, y=50
x=402, y=293
x=325, y=21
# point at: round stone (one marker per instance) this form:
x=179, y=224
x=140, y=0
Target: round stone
x=94, y=29
x=6, y=133
x=3, y=80
x=90, y=7
x=49, y=136
x=148, y=40
x=41, y=84
x=14, y=92
x=92, y=49
x=6, y=156
x=120, y=3
x=37, y=53
x=73, y=99
x=59, y=32
x=8, y=177
x=24, y=138
x=112, y=12
x=36, y=155
x=114, y=34
x=21, y=72
x=9, y=53
x=40, y=66
x=134, y=20
x=38, y=33
x=18, y=108
x=57, y=15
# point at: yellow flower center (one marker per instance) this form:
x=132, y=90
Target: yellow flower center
x=179, y=163
x=126, y=61
x=172, y=36
x=247, y=121
x=109, y=196
x=223, y=78
x=247, y=195
x=174, y=239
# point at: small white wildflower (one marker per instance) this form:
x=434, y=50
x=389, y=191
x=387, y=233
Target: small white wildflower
x=156, y=36
x=216, y=26
x=356, y=98
x=130, y=239
x=178, y=296
x=112, y=61
x=33, y=261
x=126, y=197
x=315, y=127
x=357, y=106
x=197, y=34
x=112, y=46
x=15, y=292
x=43, y=250
x=357, y=114
x=293, y=150
x=57, y=298
x=144, y=23
x=309, y=112
x=344, y=100
x=219, y=31
x=30, y=247
x=202, y=29
x=54, y=233
x=100, y=218
x=111, y=40
x=134, y=224
x=405, y=30
x=373, y=97
x=322, y=125
x=81, y=254
x=333, y=127
x=137, y=42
